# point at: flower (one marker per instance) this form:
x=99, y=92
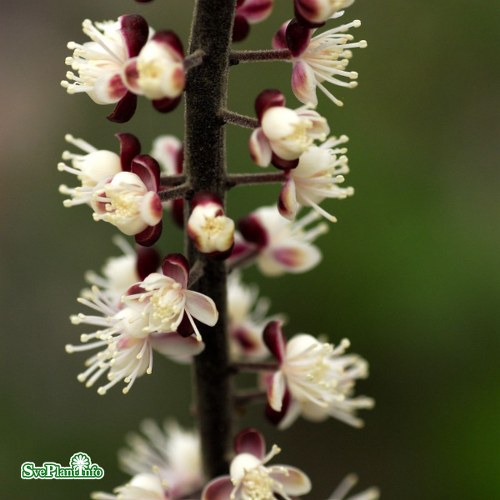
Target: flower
x=174, y=454
x=120, y=273
x=158, y=71
x=315, y=12
x=247, y=318
x=250, y=478
x=168, y=151
x=100, y=64
x=284, y=134
x=168, y=305
x=142, y=487
x=345, y=486
x=316, y=177
x=249, y=12
x=128, y=346
x=314, y=379
x=323, y=58
x=277, y=245
x=130, y=201
x=211, y=231
x=91, y=168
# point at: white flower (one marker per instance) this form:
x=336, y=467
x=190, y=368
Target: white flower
x=127, y=347
x=347, y=484
x=174, y=453
x=167, y=150
x=278, y=245
x=247, y=318
x=287, y=133
x=160, y=70
x=91, y=168
x=318, y=378
x=316, y=177
x=167, y=300
x=323, y=58
x=250, y=478
x=100, y=63
x=211, y=231
x=142, y=487
x=126, y=202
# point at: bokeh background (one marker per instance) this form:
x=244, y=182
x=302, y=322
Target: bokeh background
x=410, y=273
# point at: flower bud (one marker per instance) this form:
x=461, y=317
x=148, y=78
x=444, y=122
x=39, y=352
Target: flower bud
x=211, y=231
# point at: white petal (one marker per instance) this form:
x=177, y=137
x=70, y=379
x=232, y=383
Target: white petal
x=276, y=391
x=201, y=307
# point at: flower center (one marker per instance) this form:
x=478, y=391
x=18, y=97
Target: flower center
x=256, y=485
x=167, y=303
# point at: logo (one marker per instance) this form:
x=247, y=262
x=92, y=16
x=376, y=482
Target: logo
x=80, y=467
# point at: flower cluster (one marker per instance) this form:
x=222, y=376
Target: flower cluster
x=124, y=59
x=143, y=302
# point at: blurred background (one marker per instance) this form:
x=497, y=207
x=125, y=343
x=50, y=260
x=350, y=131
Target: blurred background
x=410, y=273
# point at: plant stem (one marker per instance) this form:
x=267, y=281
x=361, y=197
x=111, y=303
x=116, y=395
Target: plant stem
x=175, y=192
x=243, y=56
x=172, y=180
x=254, y=179
x=254, y=367
x=205, y=168
x=237, y=119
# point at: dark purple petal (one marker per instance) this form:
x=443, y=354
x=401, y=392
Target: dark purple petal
x=149, y=236
x=177, y=212
x=170, y=39
x=166, y=104
x=255, y=11
x=134, y=290
x=283, y=164
x=298, y=37
x=250, y=441
x=124, y=109
x=219, y=488
x=148, y=261
x=275, y=340
x=275, y=417
x=241, y=28
x=130, y=147
x=203, y=198
x=279, y=39
x=176, y=266
x=135, y=30
x=147, y=168
x=253, y=231
x=268, y=99
x=304, y=13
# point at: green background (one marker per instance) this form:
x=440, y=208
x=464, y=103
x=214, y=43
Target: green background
x=410, y=273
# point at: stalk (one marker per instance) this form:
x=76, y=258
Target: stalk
x=205, y=168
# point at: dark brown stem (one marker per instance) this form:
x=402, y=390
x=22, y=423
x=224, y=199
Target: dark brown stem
x=172, y=180
x=243, y=56
x=237, y=119
x=254, y=179
x=175, y=192
x=205, y=168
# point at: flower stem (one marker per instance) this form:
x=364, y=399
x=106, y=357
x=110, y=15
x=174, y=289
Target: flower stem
x=172, y=180
x=237, y=119
x=176, y=192
x=244, y=398
x=205, y=168
x=194, y=59
x=243, y=56
x=254, y=179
